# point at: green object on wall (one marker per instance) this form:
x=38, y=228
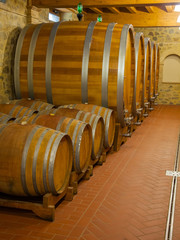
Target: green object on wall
x=79, y=8
x=99, y=18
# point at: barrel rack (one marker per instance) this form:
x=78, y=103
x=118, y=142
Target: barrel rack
x=76, y=178
x=43, y=207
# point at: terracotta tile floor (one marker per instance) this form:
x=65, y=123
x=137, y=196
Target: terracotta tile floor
x=126, y=199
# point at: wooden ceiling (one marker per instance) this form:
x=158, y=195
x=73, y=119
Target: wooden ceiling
x=141, y=13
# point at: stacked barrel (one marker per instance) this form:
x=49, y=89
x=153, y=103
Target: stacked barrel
x=96, y=82
x=49, y=144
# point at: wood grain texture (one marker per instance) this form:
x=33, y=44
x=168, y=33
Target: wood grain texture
x=24, y=61
x=107, y=114
x=66, y=70
x=67, y=62
x=157, y=68
x=82, y=144
x=33, y=104
x=140, y=74
x=147, y=75
x=4, y=118
x=153, y=65
x=140, y=19
x=16, y=111
x=100, y=3
x=96, y=123
x=13, y=140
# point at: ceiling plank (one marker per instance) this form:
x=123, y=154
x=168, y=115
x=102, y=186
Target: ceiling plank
x=96, y=10
x=63, y=10
x=114, y=10
x=149, y=9
x=169, y=9
x=140, y=19
x=132, y=9
x=75, y=10
x=72, y=10
x=100, y=3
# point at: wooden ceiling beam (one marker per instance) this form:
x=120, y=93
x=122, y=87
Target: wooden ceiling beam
x=96, y=10
x=140, y=19
x=132, y=9
x=72, y=10
x=100, y=3
x=149, y=9
x=169, y=9
x=114, y=10
x=75, y=10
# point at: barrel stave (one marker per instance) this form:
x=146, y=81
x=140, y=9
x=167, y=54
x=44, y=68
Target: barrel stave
x=153, y=66
x=96, y=122
x=157, y=69
x=80, y=133
x=107, y=114
x=34, y=159
x=23, y=62
x=138, y=98
x=74, y=52
x=67, y=62
x=147, y=70
x=39, y=63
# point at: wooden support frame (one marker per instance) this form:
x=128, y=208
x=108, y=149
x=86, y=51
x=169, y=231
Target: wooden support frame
x=119, y=137
x=75, y=178
x=114, y=10
x=132, y=9
x=100, y=3
x=149, y=9
x=140, y=19
x=43, y=207
x=96, y=10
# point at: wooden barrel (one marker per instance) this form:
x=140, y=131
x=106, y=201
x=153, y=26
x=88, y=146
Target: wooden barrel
x=153, y=71
x=147, y=69
x=36, y=105
x=16, y=111
x=34, y=160
x=78, y=62
x=157, y=69
x=96, y=123
x=106, y=113
x=4, y=118
x=138, y=98
x=80, y=133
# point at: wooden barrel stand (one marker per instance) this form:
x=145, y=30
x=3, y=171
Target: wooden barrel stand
x=43, y=207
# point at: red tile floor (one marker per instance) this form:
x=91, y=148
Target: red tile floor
x=126, y=199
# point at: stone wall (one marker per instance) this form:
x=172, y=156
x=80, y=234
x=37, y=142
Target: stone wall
x=169, y=43
x=69, y=17
x=14, y=15
x=37, y=15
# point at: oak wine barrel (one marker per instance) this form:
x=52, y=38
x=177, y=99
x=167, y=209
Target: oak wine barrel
x=106, y=113
x=82, y=62
x=16, y=111
x=138, y=99
x=96, y=123
x=157, y=69
x=36, y=105
x=147, y=69
x=80, y=133
x=4, y=118
x=34, y=160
